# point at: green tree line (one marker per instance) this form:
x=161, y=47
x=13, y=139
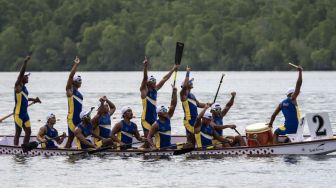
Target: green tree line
x=218, y=34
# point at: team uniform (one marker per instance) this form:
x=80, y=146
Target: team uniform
x=104, y=126
x=163, y=134
x=190, y=113
x=74, y=109
x=50, y=134
x=205, y=137
x=87, y=133
x=126, y=133
x=21, y=117
x=149, y=114
x=291, y=113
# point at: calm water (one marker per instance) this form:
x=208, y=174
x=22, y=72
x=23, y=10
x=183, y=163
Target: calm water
x=258, y=93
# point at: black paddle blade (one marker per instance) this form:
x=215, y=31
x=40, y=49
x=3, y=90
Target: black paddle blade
x=30, y=146
x=178, y=53
x=183, y=151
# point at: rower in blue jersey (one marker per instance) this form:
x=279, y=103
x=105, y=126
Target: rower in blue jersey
x=75, y=101
x=190, y=105
x=21, y=117
x=48, y=133
x=218, y=114
x=124, y=131
x=205, y=133
x=84, y=133
x=148, y=90
x=102, y=120
x=290, y=110
x=161, y=129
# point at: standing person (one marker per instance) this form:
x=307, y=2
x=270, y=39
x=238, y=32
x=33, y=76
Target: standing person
x=21, y=117
x=102, y=120
x=75, y=101
x=126, y=129
x=290, y=110
x=189, y=104
x=148, y=90
x=47, y=133
x=218, y=114
x=161, y=129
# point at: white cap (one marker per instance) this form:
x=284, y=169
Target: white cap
x=152, y=79
x=124, y=109
x=83, y=113
x=77, y=78
x=27, y=74
x=207, y=115
x=216, y=107
x=290, y=90
x=50, y=115
x=161, y=108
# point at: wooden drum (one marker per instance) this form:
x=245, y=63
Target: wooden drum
x=258, y=134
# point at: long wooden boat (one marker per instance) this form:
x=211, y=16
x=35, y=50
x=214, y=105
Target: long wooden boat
x=313, y=147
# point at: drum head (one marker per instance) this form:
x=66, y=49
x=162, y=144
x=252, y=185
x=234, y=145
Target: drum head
x=257, y=128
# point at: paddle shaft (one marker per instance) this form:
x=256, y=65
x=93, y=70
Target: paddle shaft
x=220, y=83
x=291, y=64
x=9, y=115
x=110, y=147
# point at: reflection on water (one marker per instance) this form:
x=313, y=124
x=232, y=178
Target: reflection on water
x=292, y=159
x=20, y=159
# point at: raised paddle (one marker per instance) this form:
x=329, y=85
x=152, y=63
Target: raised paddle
x=291, y=64
x=9, y=115
x=33, y=145
x=220, y=83
x=178, y=57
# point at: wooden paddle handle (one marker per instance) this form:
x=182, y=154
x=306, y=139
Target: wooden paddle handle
x=291, y=64
x=9, y=115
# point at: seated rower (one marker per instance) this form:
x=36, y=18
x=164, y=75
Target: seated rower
x=205, y=133
x=102, y=120
x=218, y=114
x=84, y=131
x=47, y=134
x=290, y=110
x=161, y=128
x=125, y=130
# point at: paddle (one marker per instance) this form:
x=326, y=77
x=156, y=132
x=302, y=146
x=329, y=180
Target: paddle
x=9, y=115
x=33, y=145
x=178, y=57
x=291, y=64
x=220, y=83
x=187, y=150
x=110, y=147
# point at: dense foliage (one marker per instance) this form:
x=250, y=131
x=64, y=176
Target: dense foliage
x=218, y=34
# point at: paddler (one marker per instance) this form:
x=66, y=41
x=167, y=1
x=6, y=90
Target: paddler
x=75, y=101
x=84, y=133
x=190, y=105
x=148, y=90
x=218, y=114
x=21, y=117
x=124, y=131
x=205, y=133
x=161, y=129
x=102, y=120
x=48, y=133
x=290, y=109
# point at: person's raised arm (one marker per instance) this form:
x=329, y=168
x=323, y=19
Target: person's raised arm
x=21, y=75
x=228, y=104
x=143, y=87
x=151, y=133
x=298, y=84
x=275, y=113
x=111, y=105
x=173, y=103
x=183, y=92
x=166, y=77
x=198, y=122
x=68, y=87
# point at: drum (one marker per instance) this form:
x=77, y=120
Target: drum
x=258, y=134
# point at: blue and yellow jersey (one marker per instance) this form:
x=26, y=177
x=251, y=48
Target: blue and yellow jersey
x=104, y=126
x=21, y=101
x=218, y=120
x=126, y=132
x=291, y=113
x=163, y=135
x=190, y=112
x=50, y=134
x=149, y=115
x=205, y=137
x=87, y=133
x=74, y=109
